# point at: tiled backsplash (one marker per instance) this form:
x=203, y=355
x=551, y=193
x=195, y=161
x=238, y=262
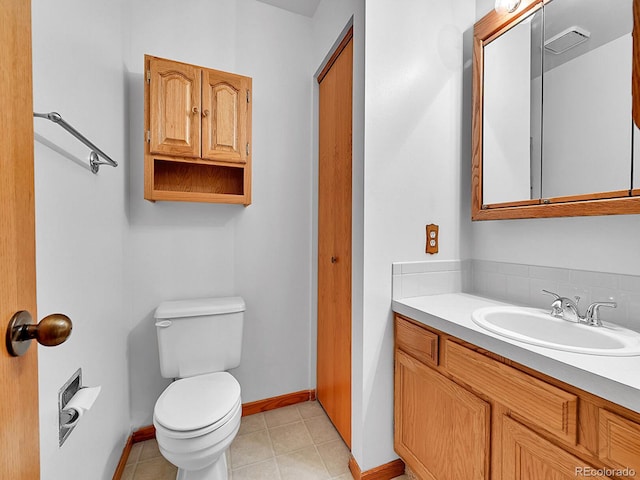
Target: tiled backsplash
x=414, y=279
x=522, y=284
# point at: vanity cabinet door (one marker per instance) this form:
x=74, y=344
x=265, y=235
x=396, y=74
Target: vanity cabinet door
x=619, y=442
x=174, y=108
x=527, y=456
x=441, y=430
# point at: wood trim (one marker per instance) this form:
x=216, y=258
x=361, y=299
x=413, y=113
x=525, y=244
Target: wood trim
x=635, y=192
x=117, y=475
x=610, y=206
x=494, y=23
x=589, y=196
x=334, y=56
x=277, y=402
x=143, y=434
x=520, y=203
x=609, y=203
x=636, y=63
x=387, y=471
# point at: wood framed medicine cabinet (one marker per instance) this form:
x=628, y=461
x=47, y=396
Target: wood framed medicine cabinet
x=533, y=201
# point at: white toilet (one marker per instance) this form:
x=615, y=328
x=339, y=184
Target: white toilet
x=198, y=415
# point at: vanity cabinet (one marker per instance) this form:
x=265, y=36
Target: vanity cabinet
x=440, y=428
x=198, y=133
x=527, y=456
x=465, y=413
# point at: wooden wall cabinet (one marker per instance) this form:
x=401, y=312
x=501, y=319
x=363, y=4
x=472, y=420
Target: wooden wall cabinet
x=464, y=413
x=197, y=133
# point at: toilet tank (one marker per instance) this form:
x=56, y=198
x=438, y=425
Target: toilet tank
x=199, y=336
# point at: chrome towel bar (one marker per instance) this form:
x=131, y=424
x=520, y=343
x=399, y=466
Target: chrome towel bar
x=96, y=153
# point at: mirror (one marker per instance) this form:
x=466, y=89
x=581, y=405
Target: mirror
x=512, y=114
x=552, y=127
x=587, y=100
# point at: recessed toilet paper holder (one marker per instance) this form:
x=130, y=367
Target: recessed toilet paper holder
x=66, y=421
x=74, y=400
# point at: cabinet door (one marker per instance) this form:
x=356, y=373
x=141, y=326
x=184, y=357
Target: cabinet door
x=619, y=442
x=226, y=112
x=441, y=429
x=526, y=456
x=174, y=108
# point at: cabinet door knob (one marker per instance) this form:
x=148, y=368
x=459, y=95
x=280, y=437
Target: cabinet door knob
x=205, y=113
x=195, y=110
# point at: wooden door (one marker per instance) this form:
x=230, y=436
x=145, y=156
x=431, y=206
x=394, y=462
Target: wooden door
x=441, y=430
x=19, y=442
x=225, y=116
x=334, y=240
x=526, y=456
x=174, y=104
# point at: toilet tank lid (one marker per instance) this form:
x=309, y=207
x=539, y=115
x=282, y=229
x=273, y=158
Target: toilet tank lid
x=199, y=306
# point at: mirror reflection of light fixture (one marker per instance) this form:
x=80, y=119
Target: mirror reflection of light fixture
x=506, y=6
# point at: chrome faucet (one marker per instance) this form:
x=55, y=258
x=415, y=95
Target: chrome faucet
x=593, y=313
x=567, y=309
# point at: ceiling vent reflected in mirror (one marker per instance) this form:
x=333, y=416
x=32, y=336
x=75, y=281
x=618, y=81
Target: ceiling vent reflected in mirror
x=566, y=40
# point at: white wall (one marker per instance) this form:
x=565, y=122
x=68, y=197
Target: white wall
x=262, y=252
x=272, y=240
x=80, y=223
x=605, y=244
x=417, y=130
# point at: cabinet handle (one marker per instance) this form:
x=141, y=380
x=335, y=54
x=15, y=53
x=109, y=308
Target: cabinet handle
x=205, y=113
x=195, y=110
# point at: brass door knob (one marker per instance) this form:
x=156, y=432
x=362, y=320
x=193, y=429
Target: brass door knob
x=52, y=330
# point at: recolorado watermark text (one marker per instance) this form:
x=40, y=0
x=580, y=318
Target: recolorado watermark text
x=590, y=472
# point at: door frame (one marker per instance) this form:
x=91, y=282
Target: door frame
x=20, y=443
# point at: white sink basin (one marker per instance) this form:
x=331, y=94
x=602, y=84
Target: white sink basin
x=538, y=327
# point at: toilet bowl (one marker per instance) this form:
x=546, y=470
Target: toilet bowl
x=198, y=415
x=196, y=419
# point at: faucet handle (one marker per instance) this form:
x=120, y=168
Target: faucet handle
x=558, y=297
x=593, y=312
x=556, y=306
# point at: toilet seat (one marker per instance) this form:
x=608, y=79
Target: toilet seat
x=194, y=406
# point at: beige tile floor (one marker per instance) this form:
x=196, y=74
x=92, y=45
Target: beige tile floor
x=290, y=443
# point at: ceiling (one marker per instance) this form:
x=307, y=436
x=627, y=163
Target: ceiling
x=301, y=7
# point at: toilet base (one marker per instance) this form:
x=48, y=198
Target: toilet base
x=216, y=471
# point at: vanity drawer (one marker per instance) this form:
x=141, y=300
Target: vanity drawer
x=421, y=344
x=544, y=405
x=619, y=441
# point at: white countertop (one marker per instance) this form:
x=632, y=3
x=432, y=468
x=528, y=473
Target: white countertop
x=614, y=378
